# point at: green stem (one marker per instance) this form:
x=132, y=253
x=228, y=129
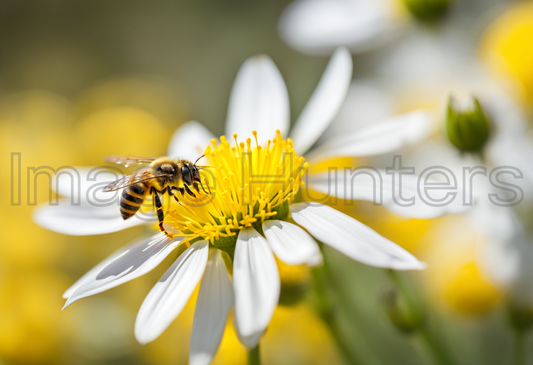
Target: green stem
x=331, y=295
x=519, y=347
x=340, y=339
x=347, y=307
x=434, y=346
x=430, y=340
x=327, y=313
x=254, y=356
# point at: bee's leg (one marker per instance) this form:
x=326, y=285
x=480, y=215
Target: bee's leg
x=159, y=211
x=195, y=184
x=189, y=191
x=202, y=185
x=173, y=189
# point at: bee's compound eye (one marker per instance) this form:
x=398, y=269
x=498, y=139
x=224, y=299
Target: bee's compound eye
x=186, y=175
x=196, y=174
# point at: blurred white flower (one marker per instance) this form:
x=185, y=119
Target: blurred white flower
x=423, y=71
x=320, y=26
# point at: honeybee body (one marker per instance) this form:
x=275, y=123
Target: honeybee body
x=132, y=198
x=162, y=175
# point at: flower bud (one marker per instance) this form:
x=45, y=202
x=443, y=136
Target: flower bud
x=427, y=11
x=401, y=317
x=467, y=126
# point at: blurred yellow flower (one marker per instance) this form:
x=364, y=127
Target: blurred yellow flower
x=29, y=316
x=468, y=292
x=292, y=275
x=295, y=282
x=336, y=162
x=149, y=94
x=298, y=337
x=507, y=48
x=295, y=336
x=37, y=124
x=454, y=276
x=123, y=130
x=411, y=234
x=45, y=128
x=231, y=351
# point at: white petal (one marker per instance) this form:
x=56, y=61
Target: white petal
x=91, y=274
x=501, y=255
x=325, y=101
x=495, y=222
x=320, y=26
x=168, y=297
x=259, y=101
x=84, y=183
x=215, y=299
x=189, y=141
x=379, y=138
x=366, y=102
x=290, y=243
x=257, y=286
x=506, y=256
x=352, y=238
x=394, y=194
x=248, y=341
x=514, y=149
x=122, y=266
x=83, y=220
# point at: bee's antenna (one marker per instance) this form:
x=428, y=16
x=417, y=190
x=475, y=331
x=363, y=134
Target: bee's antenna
x=198, y=159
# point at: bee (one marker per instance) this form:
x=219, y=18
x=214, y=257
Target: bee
x=162, y=175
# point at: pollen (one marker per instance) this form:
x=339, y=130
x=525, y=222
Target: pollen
x=249, y=184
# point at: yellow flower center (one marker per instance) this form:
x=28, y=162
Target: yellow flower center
x=248, y=185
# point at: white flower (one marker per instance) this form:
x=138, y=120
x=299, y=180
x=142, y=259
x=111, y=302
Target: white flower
x=320, y=26
x=231, y=223
x=426, y=69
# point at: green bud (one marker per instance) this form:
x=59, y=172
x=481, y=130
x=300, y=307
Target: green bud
x=398, y=312
x=427, y=11
x=468, y=127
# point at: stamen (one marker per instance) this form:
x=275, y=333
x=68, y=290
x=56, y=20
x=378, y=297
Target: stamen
x=241, y=191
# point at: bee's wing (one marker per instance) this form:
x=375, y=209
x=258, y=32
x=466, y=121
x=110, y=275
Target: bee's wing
x=134, y=178
x=128, y=161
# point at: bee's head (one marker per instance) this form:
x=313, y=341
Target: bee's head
x=167, y=168
x=188, y=173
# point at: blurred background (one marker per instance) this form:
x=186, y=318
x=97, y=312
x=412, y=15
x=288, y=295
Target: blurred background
x=76, y=77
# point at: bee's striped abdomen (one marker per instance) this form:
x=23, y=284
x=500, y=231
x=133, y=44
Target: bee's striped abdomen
x=131, y=200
